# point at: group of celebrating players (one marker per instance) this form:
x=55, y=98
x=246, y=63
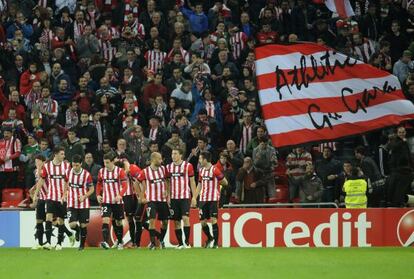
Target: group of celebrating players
x=123, y=189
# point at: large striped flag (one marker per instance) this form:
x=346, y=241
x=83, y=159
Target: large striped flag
x=342, y=7
x=310, y=93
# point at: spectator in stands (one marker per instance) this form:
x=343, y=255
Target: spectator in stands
x=265, y=160
x=296, y=163
x=87, y=134
x=355, y=189
x=44, y=149
x=371, y=172
x=399, y=149
x=251, y=185
x=72, y=145
x=402, y=67
x=29, y=151
x=310, y=186
x=328, y=169
x=399, y=184
x=197, y=18
x=10, y=150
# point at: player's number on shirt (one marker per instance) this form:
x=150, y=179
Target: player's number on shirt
x=104, y=210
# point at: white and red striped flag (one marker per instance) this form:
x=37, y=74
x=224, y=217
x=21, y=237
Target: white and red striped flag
x=310, y=93
x=342, y=7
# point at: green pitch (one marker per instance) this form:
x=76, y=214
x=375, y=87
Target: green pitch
x=202, y=263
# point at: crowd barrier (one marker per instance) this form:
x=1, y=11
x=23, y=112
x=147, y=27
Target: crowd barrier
x=256, y=227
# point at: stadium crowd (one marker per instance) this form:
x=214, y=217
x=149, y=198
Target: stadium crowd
x=135, y=77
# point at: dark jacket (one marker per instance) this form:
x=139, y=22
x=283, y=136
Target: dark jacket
x=88, y=132
x=325, y=167
x=399, y=185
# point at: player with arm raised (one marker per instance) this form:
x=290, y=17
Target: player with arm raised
x=182, y=180
x=155, y=189
x=54, y=172
x=130, y=198
x=78, y=188
x=110, y=189
x=209, y=181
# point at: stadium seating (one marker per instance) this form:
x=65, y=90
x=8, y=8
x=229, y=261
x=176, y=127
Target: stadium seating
x=12, y=197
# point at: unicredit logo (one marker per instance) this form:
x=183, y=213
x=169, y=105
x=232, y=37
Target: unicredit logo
x=405, y=229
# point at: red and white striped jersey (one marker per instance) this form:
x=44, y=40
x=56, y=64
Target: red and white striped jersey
x=112, y=184
x=210, y=183
x=155, y=59
x=129, y=9
x=79, y=184
x=108, y=51
x=156, y=183
x=180, y=179
x=238, y=42
x=55, y=178
x=184, y=54
x=43, y=190
x=134, y=172
x=137, y=29
x=247, y=135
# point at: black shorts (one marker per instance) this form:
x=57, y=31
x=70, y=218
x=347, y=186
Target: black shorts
x=41, y=210
x=208, y=209
x=141, y=213
x=114, y=210
x=179, y=208
x=80, y=215
x=56, y=208
x=130, y=205
x=158, y=210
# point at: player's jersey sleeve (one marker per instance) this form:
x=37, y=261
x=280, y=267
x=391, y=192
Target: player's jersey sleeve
x=99, y=177
x=218, y=174
x=89, y=182
x=122, y=175
x=135, y=171
x=199, y=176
x=142, y=176
x=190, y=170
x=167, y=171
x=43, y=173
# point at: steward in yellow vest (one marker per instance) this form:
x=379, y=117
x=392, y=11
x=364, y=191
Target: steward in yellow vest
x=355, y=189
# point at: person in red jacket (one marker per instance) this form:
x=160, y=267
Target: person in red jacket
x=13, y=102
x=267, y=35
x=27, y=79
x=10, y=149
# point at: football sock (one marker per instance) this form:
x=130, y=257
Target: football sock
x=83, y=234
x=105, y=232
x=66, y=230
x=119, y=233
x=206, y=231
x=162, y=235
x=152, y=235
x=138, y=232
x=215, y=233
x=132, y=230
x=61, y=232
x=187, y=234
x=179, y=235
x=48, y=231
x=39, y=233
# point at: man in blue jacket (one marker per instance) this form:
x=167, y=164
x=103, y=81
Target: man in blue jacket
x=197, y=19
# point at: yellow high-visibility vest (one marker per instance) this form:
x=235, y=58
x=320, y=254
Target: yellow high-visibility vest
x=355, y=193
